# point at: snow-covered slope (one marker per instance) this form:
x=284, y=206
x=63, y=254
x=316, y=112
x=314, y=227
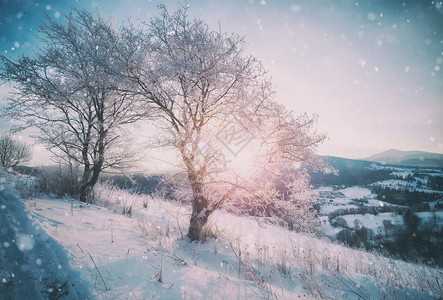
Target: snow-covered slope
x=32, y=264
x=143, y=255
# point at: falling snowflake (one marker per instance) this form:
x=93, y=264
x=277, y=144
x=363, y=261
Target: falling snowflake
x=25, y=242
x=371, y=16
x=295, y=8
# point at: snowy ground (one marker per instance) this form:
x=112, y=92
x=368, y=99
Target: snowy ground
x=434, y=218
x=132, y=263
x=373, y=222
x=356, y=192
x=107, y=255
x=33, y=264
x=402, y=172
x=404, y=185
x=333, y=200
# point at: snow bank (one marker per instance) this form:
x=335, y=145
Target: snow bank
x=33, y=265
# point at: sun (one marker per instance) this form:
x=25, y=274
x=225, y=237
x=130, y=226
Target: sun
x=231, y=149
x=245, y=162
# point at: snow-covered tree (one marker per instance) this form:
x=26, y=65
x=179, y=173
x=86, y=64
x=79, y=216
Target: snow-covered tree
x=215, y=105
x=13, y=152
x=67, y=93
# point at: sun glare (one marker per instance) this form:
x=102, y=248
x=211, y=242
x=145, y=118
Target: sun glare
x=245, y=162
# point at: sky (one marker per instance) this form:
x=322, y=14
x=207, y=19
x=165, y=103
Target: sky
x=371, y=70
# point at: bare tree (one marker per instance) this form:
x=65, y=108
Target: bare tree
x=13, y=152
x=67, y=93
x=205, y=91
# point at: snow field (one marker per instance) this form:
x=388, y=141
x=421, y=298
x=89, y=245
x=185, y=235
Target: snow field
x=246, y=259
x=144, y=256
x=134, y=247
x=356, y=192
x=343, y=199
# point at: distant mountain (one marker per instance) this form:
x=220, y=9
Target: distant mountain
x=408, y=158
x=341, y=163
x=350, y=172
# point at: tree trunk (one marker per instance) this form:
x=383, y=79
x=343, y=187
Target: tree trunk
x=84, y=191
x=200, y=211
x=87, y=168
x=89, y=181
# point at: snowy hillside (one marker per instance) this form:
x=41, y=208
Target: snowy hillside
x=99, y=252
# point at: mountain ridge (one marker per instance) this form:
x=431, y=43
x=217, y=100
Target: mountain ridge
x=408, y=158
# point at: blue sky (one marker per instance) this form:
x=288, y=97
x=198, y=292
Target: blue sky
x=371, y=70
